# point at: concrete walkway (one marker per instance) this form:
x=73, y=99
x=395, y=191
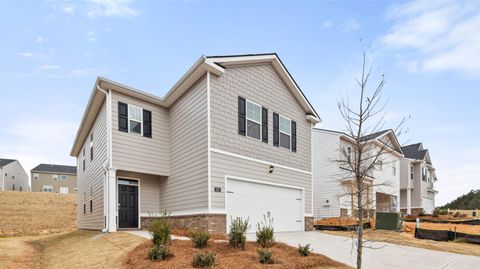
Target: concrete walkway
x=385, y=255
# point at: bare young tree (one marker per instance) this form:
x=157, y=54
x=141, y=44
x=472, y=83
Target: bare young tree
x=364, y=120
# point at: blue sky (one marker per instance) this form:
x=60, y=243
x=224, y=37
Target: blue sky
x=52, y=51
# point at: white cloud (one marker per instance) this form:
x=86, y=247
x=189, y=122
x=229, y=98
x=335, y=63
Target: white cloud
x=91, y=36
x=39, y=39
x=327, y=24
x=49, y=67
x=69, y=9
x=78, y=73
x=27, y=54
x=350, y=25
x=436, y=35
x=111, y=8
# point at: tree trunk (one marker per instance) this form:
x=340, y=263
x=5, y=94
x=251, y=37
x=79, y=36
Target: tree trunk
x=360, y=225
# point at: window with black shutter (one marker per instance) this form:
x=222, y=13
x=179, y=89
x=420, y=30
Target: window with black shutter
x=91, y=147
x=147, y=123
x=241, y=116
x=122, y=117
x=275, y=130
x=264, y=125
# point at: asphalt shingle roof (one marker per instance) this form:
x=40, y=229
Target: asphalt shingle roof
x=373, y=136
x=413, y=152
x=4, y=162
x=55, y=168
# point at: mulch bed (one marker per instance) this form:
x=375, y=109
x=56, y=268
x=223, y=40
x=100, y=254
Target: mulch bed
x=283, y=255
x=214, y=236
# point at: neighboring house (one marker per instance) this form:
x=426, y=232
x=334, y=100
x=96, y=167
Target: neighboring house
x=417, y=177
x=12, y=176
x=332, y=185
x=54, y=178
x=232, y=138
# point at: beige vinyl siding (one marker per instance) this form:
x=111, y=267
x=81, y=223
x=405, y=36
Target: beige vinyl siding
x=149, y=192
x=326, y=174
x=133, y=152
x=93, y=177
x=16, y=170
x=223, y=165
x=187, y=185
x=262, y=85
x=47, y=179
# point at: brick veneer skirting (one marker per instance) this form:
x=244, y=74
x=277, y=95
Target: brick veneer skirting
x=309, y=224
x=213, y=223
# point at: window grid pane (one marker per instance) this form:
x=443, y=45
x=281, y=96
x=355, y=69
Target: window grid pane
x=253, y=112
x=285, y=125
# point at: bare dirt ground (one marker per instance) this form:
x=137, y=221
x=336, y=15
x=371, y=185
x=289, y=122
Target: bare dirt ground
x=409, y=227
x=34, y=213
x=79, y=249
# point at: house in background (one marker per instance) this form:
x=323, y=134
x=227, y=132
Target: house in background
x=232, y=138
x=54, y=178
x=333, y=186
x=417, y=181
x=12, y=176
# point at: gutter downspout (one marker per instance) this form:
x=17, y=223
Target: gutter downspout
x=108, y=164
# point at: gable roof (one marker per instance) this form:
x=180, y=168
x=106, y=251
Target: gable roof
x=55, y=168
x=416, y=152
x=374, y=135
x=213, y=64
x=4, y=162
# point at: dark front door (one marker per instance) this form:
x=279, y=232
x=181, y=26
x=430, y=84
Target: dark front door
x=127, y=206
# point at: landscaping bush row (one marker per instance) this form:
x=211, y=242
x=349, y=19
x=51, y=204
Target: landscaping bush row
x=161, y=228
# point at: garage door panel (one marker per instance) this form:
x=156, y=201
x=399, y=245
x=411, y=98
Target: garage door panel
x=253, y=200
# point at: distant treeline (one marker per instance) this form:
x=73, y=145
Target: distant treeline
x=467, y=201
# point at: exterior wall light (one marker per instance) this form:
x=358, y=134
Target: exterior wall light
x=270, y=169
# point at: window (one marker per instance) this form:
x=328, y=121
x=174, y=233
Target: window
x=285, y=132
x=134, y=119
x=13, y=177
x=411, y=172
x=36, y=176
x=83, y=160
x=254, y=120
x=47, y=188
x=380, y=165
x=63, y=178
x=394, y=170
x=55, y=177
x=349, y=154
x=13, y=187
x=64, y=190
x=75, y=190
x=20, y=188
x=91, y=147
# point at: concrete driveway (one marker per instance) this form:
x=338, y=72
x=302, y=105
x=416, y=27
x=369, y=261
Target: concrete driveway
x=385, y=255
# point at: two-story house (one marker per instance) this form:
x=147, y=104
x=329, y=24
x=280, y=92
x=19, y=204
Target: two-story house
x=12, y=176
x=333, y=185
x=54, y=178
x=417, y=177
x=232, y=138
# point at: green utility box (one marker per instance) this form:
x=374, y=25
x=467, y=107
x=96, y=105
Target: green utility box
x=389, y=221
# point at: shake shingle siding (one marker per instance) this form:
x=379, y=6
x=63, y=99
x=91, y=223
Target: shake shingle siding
x=91, y=181
x=187, y=186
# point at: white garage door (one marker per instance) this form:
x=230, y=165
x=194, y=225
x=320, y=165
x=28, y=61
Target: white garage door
x=428, y=205
x=246, y=199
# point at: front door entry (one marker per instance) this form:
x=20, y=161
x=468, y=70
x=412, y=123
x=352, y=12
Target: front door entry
x=127, y=206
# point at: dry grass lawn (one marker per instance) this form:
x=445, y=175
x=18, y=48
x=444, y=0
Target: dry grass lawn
x=79, y=249
x=408, y=239
x=33, y=213
x=283, y=255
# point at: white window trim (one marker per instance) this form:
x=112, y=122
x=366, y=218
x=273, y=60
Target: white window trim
x=281, y=132
x=36, y=176
x=141, y=119
x=55, y=177
x=50, y=187
x=63, y=176
x=247, y=119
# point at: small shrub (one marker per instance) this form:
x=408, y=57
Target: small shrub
x=265, y=231
x=304, y=250
x=206, y=259
x=161, y=229
x=159, y=252
x=421, y=214
x=199, y=238
x=238, y=229
x=264, y=256
x=462, y=215
x=456, y=215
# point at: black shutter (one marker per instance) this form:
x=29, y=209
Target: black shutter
x=241, y=115
x=276, y=133
x=264, y=125
x=294, y=136
x=147, y=123
x=122, y=117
